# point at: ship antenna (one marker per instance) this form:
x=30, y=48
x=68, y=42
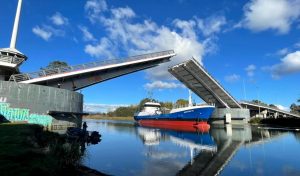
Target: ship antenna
x=150, y=95
x=16, y=26
x=190, y=98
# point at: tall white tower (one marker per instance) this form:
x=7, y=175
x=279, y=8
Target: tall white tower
x=11, y=58
x=16, y=26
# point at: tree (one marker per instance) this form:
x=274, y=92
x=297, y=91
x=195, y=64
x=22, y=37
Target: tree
x=168, y=105
x=273, y=106
x=259, y=102
x=295, y=109
x=182, y=103
x=125, y=111
x=55, y=64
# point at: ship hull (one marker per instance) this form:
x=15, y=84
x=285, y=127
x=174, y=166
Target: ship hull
x=196, y=117
x=178, y=125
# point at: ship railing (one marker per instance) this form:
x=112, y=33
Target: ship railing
x=48, y=72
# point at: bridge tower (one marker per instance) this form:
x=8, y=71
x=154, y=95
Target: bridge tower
x=11, y=58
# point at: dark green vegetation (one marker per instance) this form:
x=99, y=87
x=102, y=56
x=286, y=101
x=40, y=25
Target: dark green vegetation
x=294, y=108
x=130, y=110
x=28, y=150
x=282, y=122
x=55, y=64
x=123, y=112
x=258, y=102
x=255, y=120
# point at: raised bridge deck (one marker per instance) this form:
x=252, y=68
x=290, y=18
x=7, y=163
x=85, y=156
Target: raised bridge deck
x=80, y=76
x=196, y=78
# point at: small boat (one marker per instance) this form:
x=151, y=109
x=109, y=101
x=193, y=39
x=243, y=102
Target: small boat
x=152, y=114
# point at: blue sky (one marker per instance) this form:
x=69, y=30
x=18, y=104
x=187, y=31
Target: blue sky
x=254, y=42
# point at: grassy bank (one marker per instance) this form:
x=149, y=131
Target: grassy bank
x=284, y=122
x=28, y=150
x=100, y=117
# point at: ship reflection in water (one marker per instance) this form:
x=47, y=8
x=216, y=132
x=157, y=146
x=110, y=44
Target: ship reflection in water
x=129, y=149
x=194, y=141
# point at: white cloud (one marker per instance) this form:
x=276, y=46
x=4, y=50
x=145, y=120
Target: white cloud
x=94, y=8
x=58, y=19
x=211, y=25
x=162, y=85
x=278, y=15
x=103, y=49
x=282, y=52
x=232, y=78
x=281, y=107
x=128, y=34
x=289, y=64
x=87, y=36
x=43, y=33
x=58, y=32
x=47, y=31
x=96, y=108
x=121, y=13
x=187, y=27
x=297, y=45
x=250, y=70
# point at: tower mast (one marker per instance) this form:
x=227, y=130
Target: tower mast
x=16, y=26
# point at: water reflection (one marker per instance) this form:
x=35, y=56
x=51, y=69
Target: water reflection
x=128, y=149
x=194, y=142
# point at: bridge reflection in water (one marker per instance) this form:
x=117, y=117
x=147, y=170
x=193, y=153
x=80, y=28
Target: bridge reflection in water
x=205, y=153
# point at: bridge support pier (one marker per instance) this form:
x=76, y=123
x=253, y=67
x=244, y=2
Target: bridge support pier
x=237, y=116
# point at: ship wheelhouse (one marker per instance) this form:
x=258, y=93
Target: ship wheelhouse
x=152, y=108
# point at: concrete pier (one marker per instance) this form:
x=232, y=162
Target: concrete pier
x=237, y=116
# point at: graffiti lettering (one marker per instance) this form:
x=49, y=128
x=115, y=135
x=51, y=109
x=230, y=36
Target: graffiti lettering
x=3, y=99
x=18, y=114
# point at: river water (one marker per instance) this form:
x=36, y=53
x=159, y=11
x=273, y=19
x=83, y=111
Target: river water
x=128, y=149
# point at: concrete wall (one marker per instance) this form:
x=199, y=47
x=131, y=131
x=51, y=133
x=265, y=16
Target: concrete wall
x=29, y=102
x=40, y=99
x=237, y=115
x=233, y=132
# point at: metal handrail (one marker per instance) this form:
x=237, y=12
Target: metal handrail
x=269, y=107
x=48, y=72
x=11, y=59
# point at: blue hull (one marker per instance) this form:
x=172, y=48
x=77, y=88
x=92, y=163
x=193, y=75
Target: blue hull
x=197, y=114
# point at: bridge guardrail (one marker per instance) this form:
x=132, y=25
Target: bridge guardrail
x=48, y=72
x=269, y=107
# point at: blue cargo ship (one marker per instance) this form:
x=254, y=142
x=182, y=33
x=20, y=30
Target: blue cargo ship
x=152, y=114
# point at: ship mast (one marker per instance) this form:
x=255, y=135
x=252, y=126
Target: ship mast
x=190, y=98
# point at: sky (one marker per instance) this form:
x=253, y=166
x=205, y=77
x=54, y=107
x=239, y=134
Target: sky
x=251, y=47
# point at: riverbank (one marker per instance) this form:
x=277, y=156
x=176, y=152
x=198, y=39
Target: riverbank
x=282, y=122
x=100, y=117
x=27, y=149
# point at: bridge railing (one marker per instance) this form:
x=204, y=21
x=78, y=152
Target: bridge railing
x=49, y=72
x=259, y=104
x=266, y=106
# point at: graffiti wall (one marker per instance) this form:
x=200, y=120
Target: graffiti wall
x=19, y=114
